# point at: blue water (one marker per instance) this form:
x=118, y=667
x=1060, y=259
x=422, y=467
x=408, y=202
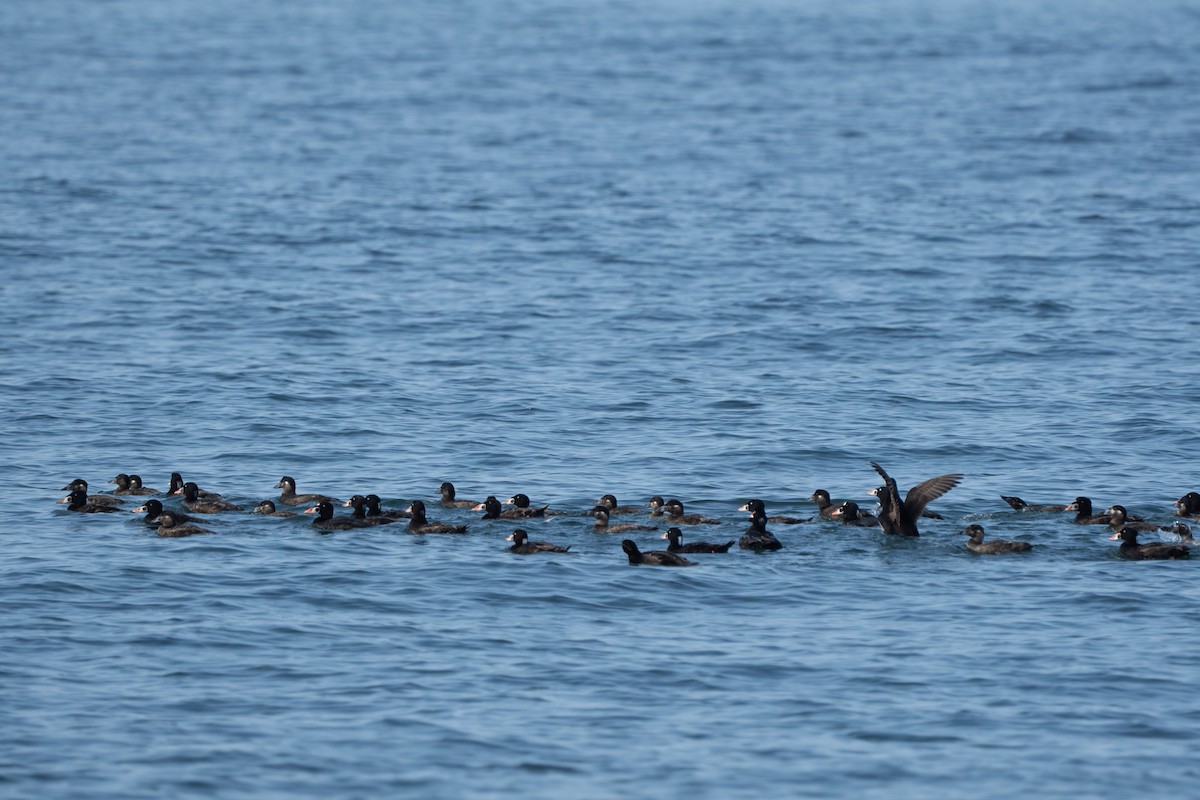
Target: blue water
x=710, y=250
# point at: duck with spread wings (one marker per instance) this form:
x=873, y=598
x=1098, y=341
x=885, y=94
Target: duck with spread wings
x=900, y=517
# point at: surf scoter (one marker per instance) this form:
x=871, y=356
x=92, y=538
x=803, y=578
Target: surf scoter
x=521, y=501
x=675, y=537
x=1119, y=518
x=614, y=509
x=192, y=501
x=77, y=501
x=754, y=504
x=676, y=516
x=900, y=517
x=154, y=509
x=446, y=490
x=522, y=546
x=492, y=509
x=289, y=497
x=1017, y=504
x=136, y=487
x=374, y=510
x=326, y=521
x=419, y=524
x=177, y=484
x=976, y=544
x=656, y=506
x=1082, y=506
x=92, y=499
x=659, y=558
x=848, y=513
x=757, y=537
x=267, y=509
x=171, y=526
x=825, y=505
x=600, y=513
x=1144, y=552
x=1188, y=505
x=361, y=518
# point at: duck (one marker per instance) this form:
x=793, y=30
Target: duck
x=419, y=524
x=492, y=509
x=192, y=501
x=267, y=509
x=374, y=510
x=522, y=546
x=1145, y=552
x=659, y=558
x=1119, y=518
x=521, y=501
x=153, y=509
x=900, y=517
x=446, y=490
x=1082, y=506
x=614, y=509
x=1184, y=533
x=600, y=513
x=757, y=537
x=289, y=497
x=325, y=520
x=925, y=512
x=172, y=526
x=976, y=544
x=848, y=513
x=78, y=501
x=675, y=537
x=1017, y=504
x=177, y=483
x=1188, y=505
x=656, y=506
x=136, y=487
x=825, y=505
x=755, y=504
x=360, y=517
x=676, y=516
x=92, y=499
x=123, y=486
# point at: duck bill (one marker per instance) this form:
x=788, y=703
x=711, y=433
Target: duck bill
x=1115, y=536
x=477, y=507
x=512, y=537
x=746, y=507
x=1071, y=507
x=139, y=510
x=313, y=510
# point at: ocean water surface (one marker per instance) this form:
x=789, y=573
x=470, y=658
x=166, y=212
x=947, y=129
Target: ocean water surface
x=713, y=250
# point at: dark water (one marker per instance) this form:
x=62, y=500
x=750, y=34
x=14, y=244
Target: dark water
x=711, y=250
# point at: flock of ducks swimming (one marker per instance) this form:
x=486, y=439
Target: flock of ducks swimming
x=895, y=515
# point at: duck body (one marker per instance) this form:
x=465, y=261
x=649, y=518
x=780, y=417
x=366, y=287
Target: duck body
x=675, y=537
x=522, y=546
x=976, y=544
x=658, y=558
x=1082, y=506
x=136, y=487
x=899, y=517
x=289, y=497
x=420, y=525
x=360, y=518
x=1147, y=552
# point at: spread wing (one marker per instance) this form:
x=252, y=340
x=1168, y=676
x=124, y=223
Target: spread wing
x=924, y=493
x=889, y=502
